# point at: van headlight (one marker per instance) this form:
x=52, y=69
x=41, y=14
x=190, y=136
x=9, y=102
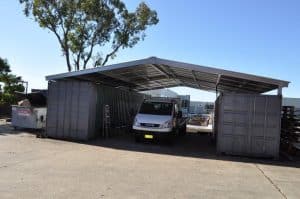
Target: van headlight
x=136, y=123
x=167, y=124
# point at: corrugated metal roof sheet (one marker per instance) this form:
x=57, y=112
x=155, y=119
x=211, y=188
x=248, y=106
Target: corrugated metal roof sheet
x=154, y=73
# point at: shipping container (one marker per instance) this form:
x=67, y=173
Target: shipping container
x=76, y=109
x=248, y=124
x=123, y=106
x=71, y=110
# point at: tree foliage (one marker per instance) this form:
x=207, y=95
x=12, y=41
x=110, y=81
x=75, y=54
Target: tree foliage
x=12, y=83
x=85, y=26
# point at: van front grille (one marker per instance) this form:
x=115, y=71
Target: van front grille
x=150, y=125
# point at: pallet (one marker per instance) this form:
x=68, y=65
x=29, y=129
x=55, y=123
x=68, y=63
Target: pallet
x=290, y=130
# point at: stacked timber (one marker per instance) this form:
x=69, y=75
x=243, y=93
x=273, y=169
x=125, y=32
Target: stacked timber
x=290, y=130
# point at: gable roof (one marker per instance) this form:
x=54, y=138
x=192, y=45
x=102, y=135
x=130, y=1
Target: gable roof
x=154, y=73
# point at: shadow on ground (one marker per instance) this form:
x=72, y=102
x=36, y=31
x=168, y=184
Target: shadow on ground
x=7, y=129
x=196, y=145
x=192, y=145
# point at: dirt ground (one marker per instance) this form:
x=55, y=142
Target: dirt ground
x=31, y=167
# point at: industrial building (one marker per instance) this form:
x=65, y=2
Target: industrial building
x=83, y=104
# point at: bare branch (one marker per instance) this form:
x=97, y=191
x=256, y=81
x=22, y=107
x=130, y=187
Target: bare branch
x=110, y=54
x=85, y=61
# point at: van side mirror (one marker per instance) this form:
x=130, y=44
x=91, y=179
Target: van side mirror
x=179, y=114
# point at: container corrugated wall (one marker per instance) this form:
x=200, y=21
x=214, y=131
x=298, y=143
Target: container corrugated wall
x=123, y=107
x=248, y=125
x=71, y=110
x=76, y=109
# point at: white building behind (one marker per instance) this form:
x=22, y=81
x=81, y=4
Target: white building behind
x=161, y=93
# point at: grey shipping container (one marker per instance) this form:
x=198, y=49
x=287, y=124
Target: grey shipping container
x=76, y=109
x=248, y=124
x=123, y=107
x=71, y=110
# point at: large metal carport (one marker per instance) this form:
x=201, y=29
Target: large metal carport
x=155, y=73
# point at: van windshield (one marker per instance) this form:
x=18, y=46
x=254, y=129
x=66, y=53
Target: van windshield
x=156, y=108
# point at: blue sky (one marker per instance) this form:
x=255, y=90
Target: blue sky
x=251, y=36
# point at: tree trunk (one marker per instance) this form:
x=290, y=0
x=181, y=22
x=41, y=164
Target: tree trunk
x=68, y=60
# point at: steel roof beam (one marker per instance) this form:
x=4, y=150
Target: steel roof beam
x=250, y=83
x=172, y=74
x=241, y=87
x=122, y=79
x=98, y=81
x=196, y=86
x=196, y=80
x=235, y=90
x=217, y=71
x=160, y=70
x=148, y=79
x=219, y=79
x=164, y=72
x=181, y=78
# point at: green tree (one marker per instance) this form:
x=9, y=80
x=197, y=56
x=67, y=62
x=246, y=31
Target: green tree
x=12, y=83
x=85, y=26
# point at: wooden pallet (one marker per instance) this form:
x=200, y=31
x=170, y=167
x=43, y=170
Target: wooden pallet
x=290, y=130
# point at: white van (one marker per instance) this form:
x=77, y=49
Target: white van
x=159, y=118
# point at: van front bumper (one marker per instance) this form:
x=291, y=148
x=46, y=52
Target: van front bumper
x=153, y=135
x=153, y=130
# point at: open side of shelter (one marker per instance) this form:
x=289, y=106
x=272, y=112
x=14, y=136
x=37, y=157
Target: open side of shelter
x=76, y=101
